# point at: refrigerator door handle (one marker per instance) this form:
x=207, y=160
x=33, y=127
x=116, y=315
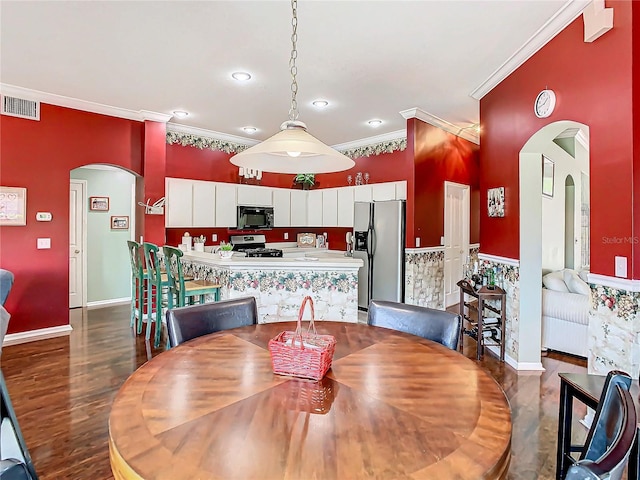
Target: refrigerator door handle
x=371, y=246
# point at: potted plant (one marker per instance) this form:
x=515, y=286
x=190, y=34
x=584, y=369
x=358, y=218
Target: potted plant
x=198, y=243
x=225, y=250
x=307, y=180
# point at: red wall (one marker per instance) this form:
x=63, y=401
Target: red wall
x=636, y=150
x=39, y=156
x=593, y=85
x=441, y=156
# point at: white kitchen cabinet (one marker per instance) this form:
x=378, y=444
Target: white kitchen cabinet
x=281, y=207
x=345, y=206
x=330, y=207
x=254, y=195
x=299, y=208
x=362, y=193
x=401, y=190
x=383, y=191
x=314, y=208
x=226, y=205
x=179, y=202
x=204, y=204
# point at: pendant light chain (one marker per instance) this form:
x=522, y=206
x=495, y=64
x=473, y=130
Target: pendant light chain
x=293, y=111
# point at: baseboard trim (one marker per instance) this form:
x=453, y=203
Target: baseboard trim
x=519, y=366
x=35, y=335
x=108, y=303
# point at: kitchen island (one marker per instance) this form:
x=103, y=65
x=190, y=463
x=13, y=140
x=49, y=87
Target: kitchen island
x=280, y=284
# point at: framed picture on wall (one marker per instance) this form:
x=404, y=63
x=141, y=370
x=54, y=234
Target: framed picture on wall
x=547, y=177
x=495, y=202
x=100, y=204
x=13, y=206
x=120, y=222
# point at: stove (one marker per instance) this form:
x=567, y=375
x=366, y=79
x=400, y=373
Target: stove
x=253, y=246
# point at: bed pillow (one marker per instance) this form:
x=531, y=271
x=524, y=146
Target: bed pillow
x=555, y=281
x=575, y=283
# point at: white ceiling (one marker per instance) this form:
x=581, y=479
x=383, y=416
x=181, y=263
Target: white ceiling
x=369, y=59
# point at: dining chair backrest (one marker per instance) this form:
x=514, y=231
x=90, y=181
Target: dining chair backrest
x=612, y=433
x=6, y=282
x=152, y=263
x=173, y=266
x=135, y=258
x=186, y=323
x=437, y=325
x=15, y=461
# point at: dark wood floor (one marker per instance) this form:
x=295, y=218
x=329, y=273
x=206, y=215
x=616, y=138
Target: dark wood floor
x=62, y=391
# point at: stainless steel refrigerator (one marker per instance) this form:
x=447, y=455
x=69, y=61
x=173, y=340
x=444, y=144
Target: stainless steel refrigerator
x=379, y=239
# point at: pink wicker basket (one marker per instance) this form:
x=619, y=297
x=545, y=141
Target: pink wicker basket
x=302, y=354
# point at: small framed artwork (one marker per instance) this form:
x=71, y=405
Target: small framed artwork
x=13, y=206
x=547, y=177
x=120, y=222
x=100, y=204
x=495, y=201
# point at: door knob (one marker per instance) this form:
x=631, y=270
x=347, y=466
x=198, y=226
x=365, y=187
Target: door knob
x=77, y=251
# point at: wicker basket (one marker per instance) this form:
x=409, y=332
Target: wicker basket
x=302, y=354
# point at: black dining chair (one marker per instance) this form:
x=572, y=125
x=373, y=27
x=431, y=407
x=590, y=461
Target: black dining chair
x=185, y=323
x=12, y=468
x=612, y=433
x=437, y=325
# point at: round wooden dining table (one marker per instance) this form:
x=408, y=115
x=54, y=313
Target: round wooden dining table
x=392, y=406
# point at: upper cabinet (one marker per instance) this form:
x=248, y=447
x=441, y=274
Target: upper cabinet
x=179, y=202
x=298, y=208
x=195, y=203
x=226, y=205
x=204, y=201
x=281, y=207
x=255, y=195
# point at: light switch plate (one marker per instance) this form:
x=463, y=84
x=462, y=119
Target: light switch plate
x=286, y=235
x=417, y=242
x=44, y=243
x=621, y=267
x=214, y=237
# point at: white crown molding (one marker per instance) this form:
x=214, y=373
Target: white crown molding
x=514, y=262
x=582, y=138
x=614, y=282
x=77, y=104
x=201, y=132
x=33, y=335
x=474, y=245
x=364, y=142
x=567, y=14
x=462, y=132
x=155, y=116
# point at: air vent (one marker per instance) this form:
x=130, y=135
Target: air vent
x=19, y=107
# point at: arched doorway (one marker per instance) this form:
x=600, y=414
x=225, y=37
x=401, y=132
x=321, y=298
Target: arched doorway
x=104, y=275
x=531, y=237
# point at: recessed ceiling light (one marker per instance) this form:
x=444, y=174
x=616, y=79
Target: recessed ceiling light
x=249, y=129
x=375, y=123
x=320, y=103
x=241, y=76
x=180, y=113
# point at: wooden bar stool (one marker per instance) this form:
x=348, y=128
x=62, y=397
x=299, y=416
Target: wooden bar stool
x=158, y=281
x=182, y=289
x=139, y=283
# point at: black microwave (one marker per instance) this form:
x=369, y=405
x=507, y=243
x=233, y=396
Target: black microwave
x=254, y=217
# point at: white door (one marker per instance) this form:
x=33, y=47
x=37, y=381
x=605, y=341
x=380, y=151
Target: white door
x=77, y=225
x=456, y=237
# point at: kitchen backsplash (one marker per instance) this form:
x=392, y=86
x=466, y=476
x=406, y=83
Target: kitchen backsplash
x=335, y=235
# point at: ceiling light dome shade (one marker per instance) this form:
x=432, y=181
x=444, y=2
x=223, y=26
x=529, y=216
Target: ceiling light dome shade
x=293, y=150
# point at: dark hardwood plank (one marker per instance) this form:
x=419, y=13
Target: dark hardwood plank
x=62, y=390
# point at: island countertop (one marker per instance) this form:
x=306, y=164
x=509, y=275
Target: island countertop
x=280, y=284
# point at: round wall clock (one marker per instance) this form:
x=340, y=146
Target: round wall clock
x=545, y=103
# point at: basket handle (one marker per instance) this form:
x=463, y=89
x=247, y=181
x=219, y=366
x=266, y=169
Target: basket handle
x=298, y=333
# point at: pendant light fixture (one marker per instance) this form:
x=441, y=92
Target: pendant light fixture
x=293, y=150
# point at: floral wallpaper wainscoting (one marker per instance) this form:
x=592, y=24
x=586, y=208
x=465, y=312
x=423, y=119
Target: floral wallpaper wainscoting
x=424, y=277
x=614, y=329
